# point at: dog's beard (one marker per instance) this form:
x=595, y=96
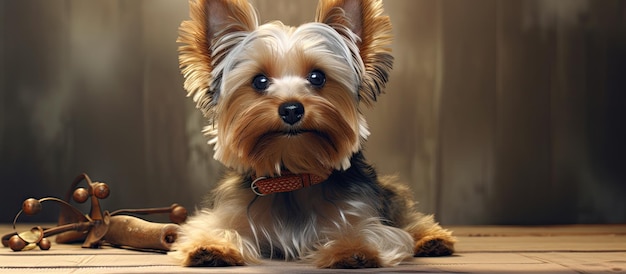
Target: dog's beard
x=254, y=137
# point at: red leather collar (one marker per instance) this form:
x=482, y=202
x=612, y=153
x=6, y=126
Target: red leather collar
x=285, y=183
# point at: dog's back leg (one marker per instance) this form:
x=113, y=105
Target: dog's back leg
x=430, y=239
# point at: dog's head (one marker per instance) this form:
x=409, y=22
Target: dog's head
x=285, y=98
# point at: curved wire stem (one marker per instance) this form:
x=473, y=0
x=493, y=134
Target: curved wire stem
x=63, y=203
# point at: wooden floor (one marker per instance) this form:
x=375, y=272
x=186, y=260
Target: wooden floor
x=488, y=249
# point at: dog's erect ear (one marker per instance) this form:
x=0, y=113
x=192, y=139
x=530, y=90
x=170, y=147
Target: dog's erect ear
x=364, y=19
x=215, y=27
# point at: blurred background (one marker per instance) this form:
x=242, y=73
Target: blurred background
x=497, y=112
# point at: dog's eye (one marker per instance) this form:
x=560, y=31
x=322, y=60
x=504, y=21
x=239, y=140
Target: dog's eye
x=316, y=78
x=260, y=82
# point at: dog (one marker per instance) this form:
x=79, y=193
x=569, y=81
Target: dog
x=283, y=106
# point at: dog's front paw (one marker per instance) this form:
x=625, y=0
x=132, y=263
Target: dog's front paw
x=434, y=246
x=356, y=259
x=347, y=257
x=214, y=256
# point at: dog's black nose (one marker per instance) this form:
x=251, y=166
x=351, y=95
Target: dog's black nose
x=291, y=112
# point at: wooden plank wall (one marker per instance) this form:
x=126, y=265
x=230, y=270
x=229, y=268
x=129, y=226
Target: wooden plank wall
x=498, y=112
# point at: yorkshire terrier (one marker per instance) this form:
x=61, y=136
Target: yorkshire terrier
x=283, y=105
